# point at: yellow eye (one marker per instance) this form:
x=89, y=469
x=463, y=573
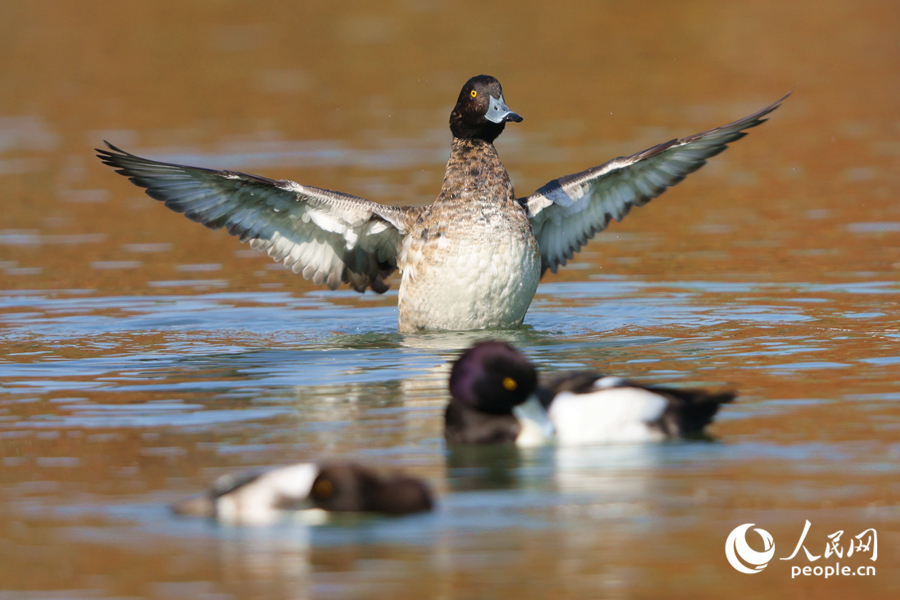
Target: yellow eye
x=323, y=488
x=510, y=384
x=474, y=93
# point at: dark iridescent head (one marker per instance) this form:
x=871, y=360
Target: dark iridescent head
x=492, y=377
x=351, y=488
x=480, y=111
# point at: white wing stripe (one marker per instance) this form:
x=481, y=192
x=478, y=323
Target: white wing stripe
x=566, y=212
x=326, y=235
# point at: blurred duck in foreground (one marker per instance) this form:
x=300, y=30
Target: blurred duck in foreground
x=260, y=498
x=496, y=399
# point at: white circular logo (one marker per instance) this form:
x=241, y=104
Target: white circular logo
x=736, y=546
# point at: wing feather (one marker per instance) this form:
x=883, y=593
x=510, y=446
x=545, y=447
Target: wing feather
x=567, y=212
x=326, y=236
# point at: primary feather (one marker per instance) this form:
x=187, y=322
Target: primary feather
x=567, y=212
x=329, y=237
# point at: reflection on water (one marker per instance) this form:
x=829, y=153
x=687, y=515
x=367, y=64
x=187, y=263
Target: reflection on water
x=126, y=412
x=144, y=356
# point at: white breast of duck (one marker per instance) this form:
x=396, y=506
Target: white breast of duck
x=471, y=261
x=613, y=410
x=264, y=498
x=609, y=413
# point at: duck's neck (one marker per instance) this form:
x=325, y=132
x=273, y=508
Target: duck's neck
x=467, y=145
x=474, y=169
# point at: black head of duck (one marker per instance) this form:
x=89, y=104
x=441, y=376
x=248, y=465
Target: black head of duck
x=480, y=111
x=350, y=488
x=492, y=377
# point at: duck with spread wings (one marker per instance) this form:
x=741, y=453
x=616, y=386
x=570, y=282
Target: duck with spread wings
x=470, y=260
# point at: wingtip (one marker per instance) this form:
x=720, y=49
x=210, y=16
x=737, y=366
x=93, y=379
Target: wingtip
x=726, y=396
x=112, y=147
x=783, y=98
x=700, y=411
x=111, y=151
x=764, y=112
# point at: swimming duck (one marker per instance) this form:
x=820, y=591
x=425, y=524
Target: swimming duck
x=470, y=260
x=496, y=399
x=260, y=498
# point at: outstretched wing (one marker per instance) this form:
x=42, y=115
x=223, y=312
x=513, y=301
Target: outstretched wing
x=328, y=237
x=568, y=211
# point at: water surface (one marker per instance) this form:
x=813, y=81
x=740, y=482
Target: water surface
x=144, y=356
